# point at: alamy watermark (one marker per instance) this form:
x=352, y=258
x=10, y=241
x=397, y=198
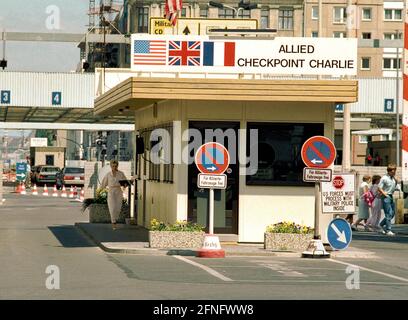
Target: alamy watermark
x=182, y=147
x=53, y=21
x=353, y=280
x=52, y=282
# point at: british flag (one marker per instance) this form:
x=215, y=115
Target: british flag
x=184, y=53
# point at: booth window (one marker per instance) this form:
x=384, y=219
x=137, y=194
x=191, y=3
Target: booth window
x=152, y=169
x=279, y=152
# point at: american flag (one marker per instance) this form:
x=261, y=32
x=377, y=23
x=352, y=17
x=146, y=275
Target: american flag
x=149, y=52
x=172, y=9
x=184, y=53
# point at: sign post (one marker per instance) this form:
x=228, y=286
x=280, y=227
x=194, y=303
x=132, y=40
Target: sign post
x=212, y=160
x=318, y=153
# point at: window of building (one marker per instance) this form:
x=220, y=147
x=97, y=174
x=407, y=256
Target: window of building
x=393, y=14
x=315, y=34
x=339, y=15
x=315, y=13
x=365, y=63
x=362, y=139
x=279, y=147
x=285, y=19
x=226, y=13
x=391, y=63
x=339, y=34
x=265, y=18
x=142, y=19
x=244, y=14
x=366, y=16
x=204, y=12
x=366, y=35
x=184, y=12
x=392, y=35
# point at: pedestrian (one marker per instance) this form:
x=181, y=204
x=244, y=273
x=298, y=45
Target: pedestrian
x=28, y=175
x=386, y=187
x=374, y=221
x=363, y=207
x=115, y=193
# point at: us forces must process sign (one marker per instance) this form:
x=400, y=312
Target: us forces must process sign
x=338, y=196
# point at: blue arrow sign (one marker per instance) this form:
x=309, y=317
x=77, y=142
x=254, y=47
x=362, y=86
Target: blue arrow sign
x=339, y=234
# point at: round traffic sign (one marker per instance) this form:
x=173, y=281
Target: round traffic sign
x=318, y=152
x=338, y=182
x=212, y=158
x=339, y=234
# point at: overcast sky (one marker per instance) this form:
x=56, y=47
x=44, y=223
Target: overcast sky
x=32, y=16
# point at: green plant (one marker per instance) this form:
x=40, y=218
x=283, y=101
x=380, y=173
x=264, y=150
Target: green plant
x=101, y=198
x=289, y=227
x=156, y=225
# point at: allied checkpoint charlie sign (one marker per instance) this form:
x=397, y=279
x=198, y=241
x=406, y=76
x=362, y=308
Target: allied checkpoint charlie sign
x=280, y=56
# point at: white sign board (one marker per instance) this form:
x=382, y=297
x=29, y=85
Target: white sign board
x=317, y=175
x=197, y=26
x=212, y=181
x=338, y=196
x=281, y=56
x=38, y=142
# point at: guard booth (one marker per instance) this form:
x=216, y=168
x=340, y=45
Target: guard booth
x=284, y=113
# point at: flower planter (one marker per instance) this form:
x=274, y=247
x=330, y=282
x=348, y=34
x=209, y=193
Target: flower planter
x=99, y=213
x=287, y=241
x=176, y=239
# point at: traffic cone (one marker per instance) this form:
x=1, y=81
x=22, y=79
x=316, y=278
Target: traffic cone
x=18, y=190
x=35, y=192
x=81, y=197
x=71, y=192
x=23, y=189
x=211, y=248
x=45, y=193
x=64, y=192
x=55, y=192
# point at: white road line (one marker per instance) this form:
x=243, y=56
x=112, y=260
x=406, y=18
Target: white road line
x=205, y=268
x=370, y=270
x=322, y=281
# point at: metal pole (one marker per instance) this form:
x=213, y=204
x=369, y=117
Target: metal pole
x=211, y=224
x=346, y=161
x=397, y=108
x=317, y=211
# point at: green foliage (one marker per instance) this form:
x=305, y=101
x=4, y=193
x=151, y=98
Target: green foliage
x=156, y=225
x=289, y=227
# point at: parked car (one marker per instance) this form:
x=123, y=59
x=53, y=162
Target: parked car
x=71, y=176
x=46, y=174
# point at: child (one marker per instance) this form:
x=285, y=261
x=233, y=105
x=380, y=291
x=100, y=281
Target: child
x=374, y=221
x=363, y=212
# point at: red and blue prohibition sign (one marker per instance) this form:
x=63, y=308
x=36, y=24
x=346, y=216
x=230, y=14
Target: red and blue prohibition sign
x=212, y=158
x=318, y=152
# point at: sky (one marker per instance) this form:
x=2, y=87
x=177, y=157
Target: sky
x=62, y=16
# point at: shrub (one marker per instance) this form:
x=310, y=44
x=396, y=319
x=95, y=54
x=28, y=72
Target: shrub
x=289, y=227
x=101, y=198
x=156, y=225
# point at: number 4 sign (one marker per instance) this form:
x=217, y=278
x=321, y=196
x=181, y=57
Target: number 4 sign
x=56, y=98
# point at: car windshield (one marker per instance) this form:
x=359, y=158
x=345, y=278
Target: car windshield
x=74, y=170
x=49, y=169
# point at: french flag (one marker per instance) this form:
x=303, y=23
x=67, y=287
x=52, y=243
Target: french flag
x=219, y=53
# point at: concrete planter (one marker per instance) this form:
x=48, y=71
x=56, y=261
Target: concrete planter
x=99, y=213
x=176, y=239
x=287, y=241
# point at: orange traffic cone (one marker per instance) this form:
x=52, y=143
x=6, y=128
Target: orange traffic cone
x=71, y=193
x=18, y=189
x=55, y=192
x=81, y=197
x=45, y=193
x=35, y=191
x=23, y=189
x=64, y=192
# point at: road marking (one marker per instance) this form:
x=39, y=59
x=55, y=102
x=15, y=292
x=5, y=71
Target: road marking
x=322, y=281
x=280, y=268
x=205, y=268
x=370, y=270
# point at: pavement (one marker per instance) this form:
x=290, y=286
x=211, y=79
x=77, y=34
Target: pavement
x=128, y=239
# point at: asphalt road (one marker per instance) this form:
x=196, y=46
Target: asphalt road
x=38, y=232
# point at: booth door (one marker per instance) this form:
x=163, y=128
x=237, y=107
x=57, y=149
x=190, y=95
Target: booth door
x=226, y=201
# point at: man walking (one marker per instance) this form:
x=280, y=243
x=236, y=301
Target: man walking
x=386, y=187
x=28, y=174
